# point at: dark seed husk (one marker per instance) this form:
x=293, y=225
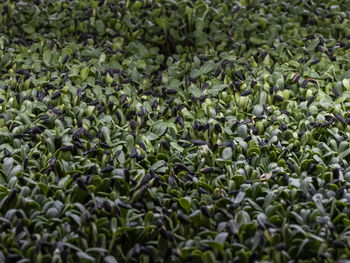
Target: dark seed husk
x=180, y=121
x=312, y=168
x=159, y=77
x=81, y=184
x=311, y=99
x=119, y=116
x=107, y=169
x=336, y=173
x=339, y=244
x=280, y=246
x=137, y=249
x=20, y=135
x=7, y=153
x=165, y=144
x=199, y=142
x=23, y=72
x=204, y=191
x=12, y=195
x=253, y=83
x=207, y=170
x=304, y=83
x=67, y=148
x=218, y=127
x=25, y=162
x=340, y=118
x=205, y=211
x=205, y=86
x=246, y=93
x=217, y=72
x=283, y=126
x=181, y=167
x=104, y=145
x=145, y=179
x=122, y=99
x=56, y=95
x=133, y=125
x=240, y=76
x=133, y=153
x=170, y=91
x=171, y=181
x=278, y=97
x=182, y=217
x=315, y=182
x=93, y=103
x=295, y=78
x=263, y=56
x=315, y=61
x=340, y=191
x=142, y=145
x=65, y=59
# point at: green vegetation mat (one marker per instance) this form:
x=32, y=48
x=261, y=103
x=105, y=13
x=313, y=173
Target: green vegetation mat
x=174, y=131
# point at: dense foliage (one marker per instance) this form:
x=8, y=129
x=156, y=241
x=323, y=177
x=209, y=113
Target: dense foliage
x=174, y=131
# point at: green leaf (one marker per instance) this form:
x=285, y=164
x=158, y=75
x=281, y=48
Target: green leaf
x=151, y=136
x=318, y=201
x=106, y=134
x=85, y=256
x=96, y=249
x=195, y=91
x=346, y=75
x=227, y=153
x=159, y=129
x=200, y=24
x=195, y=73
x=208, y=67
x=163, y=23
x=242, y=131
x=47, y=58
x=346, y=84
x=221, y=237
x=44, y=187
x=208, y=257
x=344, y=154
x=239, y=198
x=110, y=259
x=100, y=27
x=174, y=145
x=313, y=44
x=15, y=170
x=7, y=165
x=185, y=203
x=302, y=245
x=157, y=164
x=28, y=28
